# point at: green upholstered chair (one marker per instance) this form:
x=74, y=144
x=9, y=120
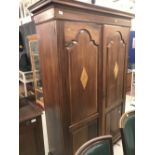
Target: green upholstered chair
x=127, y=128
x=98, y=146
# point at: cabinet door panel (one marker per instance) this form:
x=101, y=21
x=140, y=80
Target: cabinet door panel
x=116, y=50
x=82, y=47
x=111, y=121
x=83, y=134
x=115, y=67
x=83, y=55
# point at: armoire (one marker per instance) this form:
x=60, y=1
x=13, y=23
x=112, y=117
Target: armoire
x=83, y=60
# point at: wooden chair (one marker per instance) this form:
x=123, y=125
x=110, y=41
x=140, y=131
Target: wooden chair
x=127, y=128
x=98, y=146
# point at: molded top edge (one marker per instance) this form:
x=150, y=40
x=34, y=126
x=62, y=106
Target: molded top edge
x=75, y=4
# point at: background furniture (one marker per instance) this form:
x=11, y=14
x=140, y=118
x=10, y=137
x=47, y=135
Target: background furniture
x=83, y=59
x=98, y=146
x=26, y=30
x=34, y=55
x=133, y=83
x=30, y=129
x=129, y=80
x=25, y=78
x=131, y=53
x=127, y=128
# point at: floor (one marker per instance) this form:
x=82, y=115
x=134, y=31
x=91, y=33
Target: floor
x=118, y=150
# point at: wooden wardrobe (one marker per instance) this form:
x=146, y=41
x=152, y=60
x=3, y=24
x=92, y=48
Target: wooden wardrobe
x=83, y=58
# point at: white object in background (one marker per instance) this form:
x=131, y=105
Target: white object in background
x=85, y=1
x=105, y=3
x=129, y=104
x=25, y=77
x=132, y=81
x=133, y=25
x=25, y=20
x=132, y=93
x=45, y=135
x=133, y=43
x=123, y=5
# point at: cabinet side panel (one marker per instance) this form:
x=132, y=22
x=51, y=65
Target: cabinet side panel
x=47, y=35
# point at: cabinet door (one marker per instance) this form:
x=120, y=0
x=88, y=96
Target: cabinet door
x=115, y=68
x=82, y=42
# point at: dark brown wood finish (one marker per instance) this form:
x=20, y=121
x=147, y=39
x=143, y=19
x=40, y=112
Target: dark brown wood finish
x=72, y=14
x=46, y=4
x=115, y=51
x=30, y=129
x=28, y=112
x=83, y=57
x=31, y=137
x=52, y=84
x=82, y=97
x=82, y=41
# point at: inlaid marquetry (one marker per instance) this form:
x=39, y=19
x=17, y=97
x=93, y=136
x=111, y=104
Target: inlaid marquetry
x=84, y=78
x=116, y=69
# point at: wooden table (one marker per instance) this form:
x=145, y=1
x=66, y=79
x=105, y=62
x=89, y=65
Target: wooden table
x=30, y=129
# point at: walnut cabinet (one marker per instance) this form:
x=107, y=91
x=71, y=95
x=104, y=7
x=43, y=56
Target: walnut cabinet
x=83, y=59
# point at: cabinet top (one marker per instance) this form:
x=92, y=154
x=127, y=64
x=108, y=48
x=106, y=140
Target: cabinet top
x=46, y=4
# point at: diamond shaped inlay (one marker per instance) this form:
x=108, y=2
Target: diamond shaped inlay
x=84, y=78
x=116, y=68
